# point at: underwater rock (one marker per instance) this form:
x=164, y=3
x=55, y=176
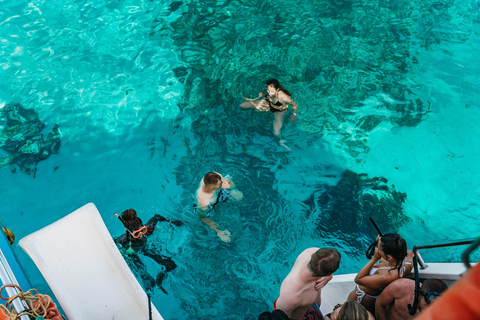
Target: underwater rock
x=347, y=207
x=22, y=140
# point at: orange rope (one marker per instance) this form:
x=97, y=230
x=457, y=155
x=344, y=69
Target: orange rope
x=37, y=304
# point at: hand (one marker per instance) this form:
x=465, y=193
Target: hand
x=322, y=282
x=293, y=117
x=224, y=235
x=377, y=256
x=226, y=184
x=160, y=218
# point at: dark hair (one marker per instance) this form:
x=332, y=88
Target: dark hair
x=132, y=222
x=274, y=315
x=324, y=262
x=352, y=310
x=311, y=314
x=434, y=285
x=211, y=178
x=395, y=246
x=277, y=85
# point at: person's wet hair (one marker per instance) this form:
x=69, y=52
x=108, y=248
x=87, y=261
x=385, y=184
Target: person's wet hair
x=324, y=262
x=395, y=246
x=211, y=178
x=276, y=84
x=352, y=310
x=435, y=286
x=274, y=315
x=132, y=222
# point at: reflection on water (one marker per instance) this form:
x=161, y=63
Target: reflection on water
x=147, y=95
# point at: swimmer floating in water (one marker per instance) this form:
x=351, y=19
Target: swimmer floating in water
x=215, y=189
x=135, y=240
x=276, y=100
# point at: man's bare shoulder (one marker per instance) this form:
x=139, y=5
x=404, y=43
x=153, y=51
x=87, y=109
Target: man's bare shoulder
x=402, y=285
x=309, y=251
x=305, y=255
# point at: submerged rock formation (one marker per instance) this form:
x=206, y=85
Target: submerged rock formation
x=22, y=138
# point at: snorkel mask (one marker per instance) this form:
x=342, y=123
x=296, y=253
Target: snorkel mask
x=137, y=234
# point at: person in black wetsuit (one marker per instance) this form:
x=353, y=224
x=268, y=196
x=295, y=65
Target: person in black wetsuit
x=135, y=239
x=276, y=101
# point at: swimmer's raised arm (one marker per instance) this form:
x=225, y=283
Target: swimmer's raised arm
x=261, y=94
x=224, y=235
x=286, y=98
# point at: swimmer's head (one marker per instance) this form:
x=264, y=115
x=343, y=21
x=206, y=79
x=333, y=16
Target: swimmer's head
x=352, y=310
x=274, y=86
x=392, y=246
x=324, y=262
x=132, y=222
x=129, y=214
x=430, y=290
x=212, y=180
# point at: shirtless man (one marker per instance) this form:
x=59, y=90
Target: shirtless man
x=214, y=189
x=392, y=304
x=312, y=270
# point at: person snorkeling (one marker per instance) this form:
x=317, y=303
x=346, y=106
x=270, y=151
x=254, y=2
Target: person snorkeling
x=135, y=241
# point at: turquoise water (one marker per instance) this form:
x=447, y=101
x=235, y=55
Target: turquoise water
x=146, y=98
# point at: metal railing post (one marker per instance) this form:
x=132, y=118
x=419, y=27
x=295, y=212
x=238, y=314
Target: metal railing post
x=422, y=263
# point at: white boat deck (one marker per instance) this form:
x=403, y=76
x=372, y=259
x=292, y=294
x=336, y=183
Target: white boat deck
x=337, y=290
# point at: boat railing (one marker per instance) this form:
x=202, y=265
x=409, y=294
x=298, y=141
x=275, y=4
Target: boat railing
x=6, y=277
x=445, y=244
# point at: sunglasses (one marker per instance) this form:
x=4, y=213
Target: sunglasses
x=430, y=296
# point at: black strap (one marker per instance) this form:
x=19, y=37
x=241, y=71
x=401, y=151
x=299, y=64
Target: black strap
x=149, y=307
x=413, y=309
x=371, y=250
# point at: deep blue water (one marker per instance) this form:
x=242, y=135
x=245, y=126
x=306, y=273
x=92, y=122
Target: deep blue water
x=146, y=99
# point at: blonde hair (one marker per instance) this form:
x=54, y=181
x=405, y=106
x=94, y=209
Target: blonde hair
x=352, y=310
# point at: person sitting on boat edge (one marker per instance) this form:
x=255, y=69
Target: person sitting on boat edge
x=394, y=262
x=393, y=302
x=301, y=289
x=135, y=241
x=214, y=189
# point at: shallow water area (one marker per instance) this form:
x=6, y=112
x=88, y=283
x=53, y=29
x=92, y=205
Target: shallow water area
x=146, y=97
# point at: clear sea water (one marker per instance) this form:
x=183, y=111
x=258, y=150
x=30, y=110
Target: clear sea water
x=146, y=97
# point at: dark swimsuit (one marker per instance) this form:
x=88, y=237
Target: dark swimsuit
x=271, y=105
